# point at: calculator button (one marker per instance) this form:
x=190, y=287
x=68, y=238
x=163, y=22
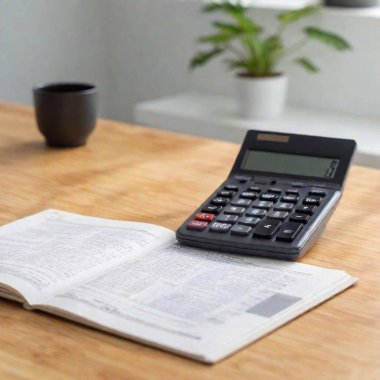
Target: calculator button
x=241, y=230
x=280, y=215
x=241, y=202
x=231, y=187
x=220, y=201
x=227, y=219
x=269, y=197
x=233, y=210
x=318, y=192
x=249, y=221
x=226, y=193
x=249, y=195
x=298, y=184
x=291, y=198
x=312, y=201
x=289, y=231
x=283, y=206
x=255, y=189
x=306, y=209
x=257, y=212
x=262, y=204
x=197, y=225
x=212, y=209
x=205, y=217
x=267, y=229
x=262, y=180
x=301, y=218
x=242, y=178
x=292, y=191
x=274, y=190
x=220, y=227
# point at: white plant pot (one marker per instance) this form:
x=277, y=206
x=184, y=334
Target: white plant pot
x=261, y=97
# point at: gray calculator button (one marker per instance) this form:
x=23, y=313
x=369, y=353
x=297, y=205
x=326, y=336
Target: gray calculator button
x=249, y=221
x=234, y=210
x=257, y=212
x=227, y=219
x=249, y=195
x=219, y=227
x=262, y=204
x=279, y=215
x=241, y=230
x=241, y=202
x=290, y=198
x=283, y=206
x=318, y=192
x=312, y=201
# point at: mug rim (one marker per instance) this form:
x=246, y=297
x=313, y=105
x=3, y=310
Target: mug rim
x=84, y=88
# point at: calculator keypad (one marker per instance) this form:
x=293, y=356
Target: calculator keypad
x=220, y=227
x=284, y=206
x=220, y=201
x=301, y=218
x=309, y=210
x=259, y=211
x=289, y=231
x=266, y=205
x=225, y=193
x=290, y=198
x=241, y=230
x=197, y=225
x=234, y=210
x=227, y=219
x=249, y=195
x=312, y=201
x=205, y=217
x=212, y=209
x=249, y=221
x=241, y=202
x=280, y=215
x=267, y=229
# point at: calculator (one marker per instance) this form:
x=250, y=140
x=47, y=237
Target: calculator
x=277, y=199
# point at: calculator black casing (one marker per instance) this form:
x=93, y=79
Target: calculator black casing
x=341, y=149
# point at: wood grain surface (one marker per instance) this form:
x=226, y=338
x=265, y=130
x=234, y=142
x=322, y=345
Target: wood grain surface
x=139, y=174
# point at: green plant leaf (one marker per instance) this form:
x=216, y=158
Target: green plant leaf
x=237, y=12
x=227, y=27
x=293, y=16
x=217, y=38
x=307, y=65
x=224, y=6
x=237, y=64
x=273, y=48
x=327, y=38
x=204, y=56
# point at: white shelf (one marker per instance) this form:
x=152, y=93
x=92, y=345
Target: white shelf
x=215, y=117
x=288, y=5
x=280, y=4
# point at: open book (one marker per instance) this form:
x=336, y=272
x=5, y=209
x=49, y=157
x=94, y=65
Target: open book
x=134, y=280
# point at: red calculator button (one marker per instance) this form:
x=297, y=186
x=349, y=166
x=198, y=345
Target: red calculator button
x=205, y=217
x=197, y=225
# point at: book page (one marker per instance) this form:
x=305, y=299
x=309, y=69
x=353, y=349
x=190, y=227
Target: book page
x=198, y=302
x=51, y=250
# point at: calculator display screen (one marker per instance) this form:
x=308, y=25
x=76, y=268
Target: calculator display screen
x=290, y=164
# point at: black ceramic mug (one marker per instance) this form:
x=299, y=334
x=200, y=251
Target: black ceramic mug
x=66, y=112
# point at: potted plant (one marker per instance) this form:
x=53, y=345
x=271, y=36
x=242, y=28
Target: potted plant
x=255, y=55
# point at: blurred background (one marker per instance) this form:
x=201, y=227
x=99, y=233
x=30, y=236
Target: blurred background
x=138, y=53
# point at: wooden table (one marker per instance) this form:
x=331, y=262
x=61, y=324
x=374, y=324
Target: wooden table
x=134, y=173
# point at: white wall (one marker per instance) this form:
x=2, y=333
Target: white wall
x=140, y=49
x=49, y=40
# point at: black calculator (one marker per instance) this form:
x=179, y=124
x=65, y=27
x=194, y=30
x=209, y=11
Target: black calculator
x=276, y=202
